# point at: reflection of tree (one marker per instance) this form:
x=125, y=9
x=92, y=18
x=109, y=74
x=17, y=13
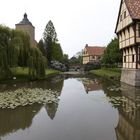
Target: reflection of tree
x=55, y=84
x=51, y=109
x=129, y=114
x=107, y=83
x=19, y=118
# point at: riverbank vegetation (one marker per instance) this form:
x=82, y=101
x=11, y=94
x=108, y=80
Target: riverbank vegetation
x=21, y=74
x=111, y=61
x=113, y=55
x=16, y=51
x=109, y=73
x=21, y=60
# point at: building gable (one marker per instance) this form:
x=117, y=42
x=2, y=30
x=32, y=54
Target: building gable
x=124, y=17
x=92, y=54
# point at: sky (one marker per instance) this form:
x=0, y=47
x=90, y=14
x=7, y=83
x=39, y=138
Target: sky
x=77, y=22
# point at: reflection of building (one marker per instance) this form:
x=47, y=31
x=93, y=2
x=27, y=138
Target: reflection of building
x=128, y=31
x=129, y=115
x=26, y=26
x=91, y=84
x=92, y=54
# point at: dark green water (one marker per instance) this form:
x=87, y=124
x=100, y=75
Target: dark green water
x=87, y=110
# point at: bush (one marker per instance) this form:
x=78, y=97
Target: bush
x=92, y=66
x=58, y=66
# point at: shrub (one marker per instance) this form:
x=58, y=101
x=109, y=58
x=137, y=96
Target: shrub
x=92, y=66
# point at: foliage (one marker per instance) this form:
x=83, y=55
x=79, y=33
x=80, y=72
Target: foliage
x=53, y=49
x=112, y=53
x=15, y=50
x=50, y=33
x=8, y=51
x=76, y=59
x=73, y=60
x=92, y=66
x=65, y=58
x=79, y=57
x=41, y=47
x=112, y=73
x=57, y=53
x=36, y=63
x=50, y=37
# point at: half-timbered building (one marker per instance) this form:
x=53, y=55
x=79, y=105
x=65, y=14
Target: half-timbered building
x=128, y=32
x=92, y=54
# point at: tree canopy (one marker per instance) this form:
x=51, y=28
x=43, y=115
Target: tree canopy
x=50, y=33
x=112, y=53
x=15, y=50
x=53, y=49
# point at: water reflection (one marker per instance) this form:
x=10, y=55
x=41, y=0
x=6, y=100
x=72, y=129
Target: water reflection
x=55, y=83
x=19, y=118
x=51, y=109
x=85, y=117
x=91, y=84
x=128, y=108
x=129, y=114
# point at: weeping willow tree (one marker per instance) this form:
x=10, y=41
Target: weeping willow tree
x=37, y=64
x=8, y=52
x=15, y=50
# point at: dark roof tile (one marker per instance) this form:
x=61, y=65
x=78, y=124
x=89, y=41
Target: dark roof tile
x=25, y=21
x=133, y=8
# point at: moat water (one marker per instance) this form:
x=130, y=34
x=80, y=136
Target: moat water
x=89, y=109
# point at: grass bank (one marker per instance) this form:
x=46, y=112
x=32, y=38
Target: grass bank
x=20, y=74
x=109, y=73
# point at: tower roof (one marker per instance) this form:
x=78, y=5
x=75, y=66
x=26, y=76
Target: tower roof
x=25, y=20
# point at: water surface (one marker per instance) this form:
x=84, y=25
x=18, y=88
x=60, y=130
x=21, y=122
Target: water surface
x=84, y=112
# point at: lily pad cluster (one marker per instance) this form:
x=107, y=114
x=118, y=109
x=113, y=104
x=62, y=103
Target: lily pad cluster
x=26, y=96
x=122, y=101
x=114, y=88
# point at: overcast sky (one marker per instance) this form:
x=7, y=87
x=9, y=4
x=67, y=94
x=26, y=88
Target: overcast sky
x=77, y=22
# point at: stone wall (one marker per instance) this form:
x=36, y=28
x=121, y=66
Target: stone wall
x=131, y=76
x=30, y=30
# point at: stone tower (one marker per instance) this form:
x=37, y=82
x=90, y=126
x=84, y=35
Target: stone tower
x=26, y=26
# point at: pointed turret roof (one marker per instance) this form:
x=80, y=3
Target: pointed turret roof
x=25, y=20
